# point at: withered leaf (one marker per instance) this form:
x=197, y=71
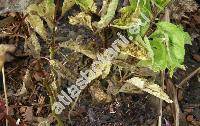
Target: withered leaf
x=106, y=19
x=27, y=84
x=62, y=71
x=87, y=5
x=33, y=45
x=36, y=22
x=98, y=94
x=144, y=85
x=67, y=4
x=81, y=19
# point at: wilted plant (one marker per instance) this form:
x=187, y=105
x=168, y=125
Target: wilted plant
x=156, y=50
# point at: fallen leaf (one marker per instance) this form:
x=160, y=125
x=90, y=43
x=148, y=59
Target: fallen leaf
x=27, y=113
x=27, y=84
x=98, y=94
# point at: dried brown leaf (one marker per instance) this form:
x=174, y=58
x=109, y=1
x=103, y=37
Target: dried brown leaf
x=98, y=94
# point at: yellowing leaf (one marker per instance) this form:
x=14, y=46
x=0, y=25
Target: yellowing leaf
x=81, y=19
x=37, y=24
x=67, y=4
x=44, y=10
x=100, y=68
x=63, y=71
x=27, y=84
x=76, y=46
x=144, y=85
x=128, y=19
x=129, y=88
x=33, y=45
x=48, y=8
x=6, y=48
x=87, y=5
x=106, y=19
x=104, y=7
x=135, y=50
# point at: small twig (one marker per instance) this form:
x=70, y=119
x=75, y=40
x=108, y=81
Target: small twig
x=52, y=100
x=5, y=92
x=11, y=35
x=183, y=82
x=160, y=106
x=175, y=106
x=72, y=108
x=166, y=18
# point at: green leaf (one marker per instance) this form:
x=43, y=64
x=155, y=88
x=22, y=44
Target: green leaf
x=161, y=4
x=168, y=47
x=87, y=5
x=160, y=55
x=67, y=4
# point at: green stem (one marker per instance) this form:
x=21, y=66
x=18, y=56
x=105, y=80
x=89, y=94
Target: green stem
x=51, y=92
x=52, y=100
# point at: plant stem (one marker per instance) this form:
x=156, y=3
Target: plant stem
x=51, y=92
x=52, y=100
x=162, y=74
x=5, y=92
